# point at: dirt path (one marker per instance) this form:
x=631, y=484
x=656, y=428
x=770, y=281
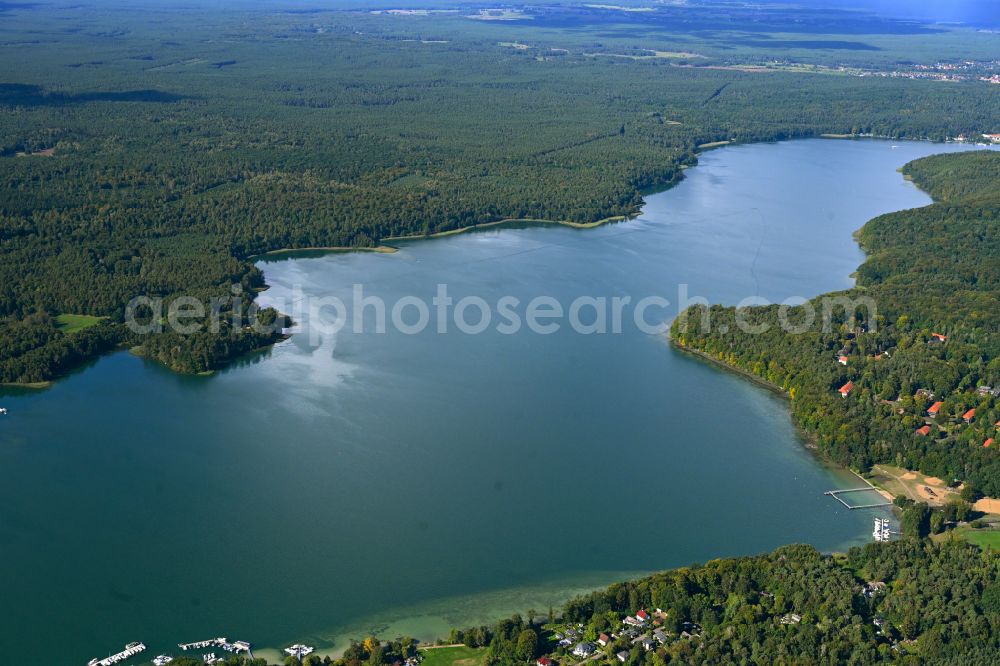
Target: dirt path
x=898, y=479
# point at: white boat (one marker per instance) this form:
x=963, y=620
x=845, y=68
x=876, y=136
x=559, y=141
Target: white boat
x=130, y=650
x=3, y=410
x=299, y=650
x=882, y=531
x=162, y=660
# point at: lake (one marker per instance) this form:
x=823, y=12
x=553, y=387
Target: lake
x=410, y=482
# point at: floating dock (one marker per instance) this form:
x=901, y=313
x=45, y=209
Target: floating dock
x=836, y=494
x=222, y=642
x=882, y=532
x=130, y=650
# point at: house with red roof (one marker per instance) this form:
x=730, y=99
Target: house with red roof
x=843, y=360
x=939, y=337
x=603, y=640
x=846, y=389
x=988, y=443
x=544, y=661
x=643, y=615
x=969, y=416
x=934, y=409
x=924, y=431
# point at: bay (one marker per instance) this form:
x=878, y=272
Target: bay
x=409, y=483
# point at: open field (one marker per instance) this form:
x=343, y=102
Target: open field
x=916, y=486
x=709, y=35
x=453, y=656
x=984, y=538
x=71, y=323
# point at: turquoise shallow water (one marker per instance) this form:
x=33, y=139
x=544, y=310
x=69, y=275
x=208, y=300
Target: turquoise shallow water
x=413, y=482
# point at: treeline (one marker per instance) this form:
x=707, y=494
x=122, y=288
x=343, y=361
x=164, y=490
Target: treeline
x=36, y=349
x=166, y=175
x=938, y=602
x=909, y=601
x=933, y=275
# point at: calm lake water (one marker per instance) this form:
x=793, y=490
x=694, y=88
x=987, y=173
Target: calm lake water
x=409, y=483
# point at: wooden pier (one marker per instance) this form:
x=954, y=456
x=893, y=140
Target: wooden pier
x=836, y=494
x=130, y=650
x=222, y=642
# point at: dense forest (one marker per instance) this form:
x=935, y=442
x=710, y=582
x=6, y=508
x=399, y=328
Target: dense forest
x=156, y=158
x=909, y=601
x=922, y=368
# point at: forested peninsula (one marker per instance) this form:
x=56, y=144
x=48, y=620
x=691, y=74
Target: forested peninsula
x=913, y=382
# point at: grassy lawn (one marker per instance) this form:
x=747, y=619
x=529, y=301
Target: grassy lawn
x=71, y=323
x=453, y=656
x=984, y=538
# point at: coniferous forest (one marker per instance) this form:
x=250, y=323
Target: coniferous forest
x=157, y=157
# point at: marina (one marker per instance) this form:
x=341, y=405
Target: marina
x=235, y=647
x=130, y=651
x=882, y=531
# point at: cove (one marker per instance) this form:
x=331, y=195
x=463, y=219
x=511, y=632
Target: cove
x=409, y=483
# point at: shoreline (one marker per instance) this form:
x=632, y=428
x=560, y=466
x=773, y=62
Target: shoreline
x=714, y=144
x=333, y=249
x=28, y=385
x=388, y=249
x=714, y=361
x=774, y=388
x=430, y=621
x=512, y=221
x=987, y=505
x=139, y=352
x=809, y=441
